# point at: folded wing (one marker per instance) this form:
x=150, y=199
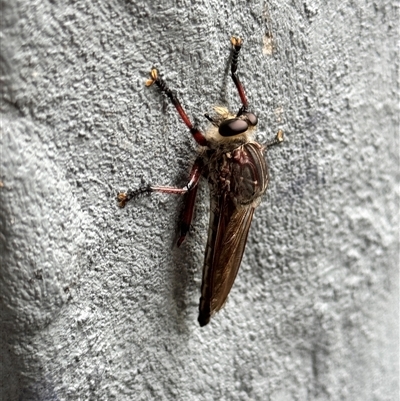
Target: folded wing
x=229, y=227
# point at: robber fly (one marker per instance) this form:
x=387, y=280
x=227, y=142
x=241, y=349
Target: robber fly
x=237, y=173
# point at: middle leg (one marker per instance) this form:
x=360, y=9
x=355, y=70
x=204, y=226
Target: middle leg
x=190, y=189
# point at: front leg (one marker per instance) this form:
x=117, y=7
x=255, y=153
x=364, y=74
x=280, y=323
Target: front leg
x=237, y=45
x=162, y=85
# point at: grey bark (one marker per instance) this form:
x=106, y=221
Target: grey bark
x=96, y=303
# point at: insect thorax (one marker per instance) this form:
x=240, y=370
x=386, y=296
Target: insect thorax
x=240, y=173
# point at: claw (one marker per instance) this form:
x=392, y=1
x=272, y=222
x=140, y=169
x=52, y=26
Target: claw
x=122, y=198
x=279, y=136
x=236, y=41
x=153, y=77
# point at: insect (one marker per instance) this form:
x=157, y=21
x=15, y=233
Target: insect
x=237, y=173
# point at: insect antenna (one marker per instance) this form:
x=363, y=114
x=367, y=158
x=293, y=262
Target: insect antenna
x=212, y=121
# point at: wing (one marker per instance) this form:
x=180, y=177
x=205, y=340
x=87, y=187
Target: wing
x=229, y=227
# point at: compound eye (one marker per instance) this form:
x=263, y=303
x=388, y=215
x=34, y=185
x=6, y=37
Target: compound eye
x=233, y=127
x=251, y=118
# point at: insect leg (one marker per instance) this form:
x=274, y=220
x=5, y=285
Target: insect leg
x=278, y=139
x=124, y=197
x=162, y=85
x=187, y=215
x=194, y=177
x=237, y=45
x=190, y=188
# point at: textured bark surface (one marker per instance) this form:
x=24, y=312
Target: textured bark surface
x=96, y=303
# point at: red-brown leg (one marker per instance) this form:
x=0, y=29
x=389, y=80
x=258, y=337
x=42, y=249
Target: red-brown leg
x=237, y=45
x=156, y=79
x=187, y=215
x=190, y=189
